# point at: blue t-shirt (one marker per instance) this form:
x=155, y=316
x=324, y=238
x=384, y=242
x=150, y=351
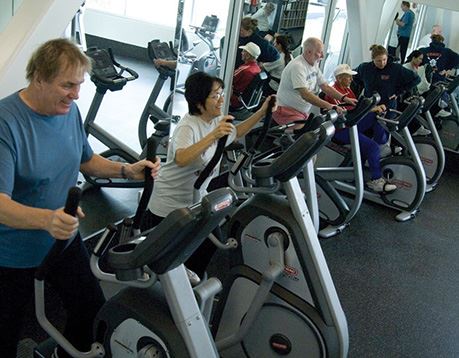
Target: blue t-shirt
x=40, y=157
x=408, y=20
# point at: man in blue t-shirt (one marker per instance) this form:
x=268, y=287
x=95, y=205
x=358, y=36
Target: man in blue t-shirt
x=405, y=25
x=43, y=146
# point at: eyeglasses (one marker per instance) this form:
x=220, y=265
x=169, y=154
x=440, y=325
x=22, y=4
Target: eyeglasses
x=217, y=96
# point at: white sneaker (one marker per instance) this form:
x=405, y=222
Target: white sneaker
x=385, y=150
x=193, y=277
x=380, y=185
x=443, y=113
x=422, y=131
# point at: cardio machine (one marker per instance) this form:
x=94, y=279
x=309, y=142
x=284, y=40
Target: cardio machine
x=160, y=118
x=279, y=298
x=449, y=129
x=429, y=148
x=405, y=171
x=208, y=61
x=336, y=162
x=108, y=74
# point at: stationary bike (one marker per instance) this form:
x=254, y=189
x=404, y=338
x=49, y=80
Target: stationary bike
x=449, y=126
x=208, y=61
x=406, y=171
x=338, y=162
x=429, y=148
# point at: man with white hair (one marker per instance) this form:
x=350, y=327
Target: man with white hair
x=246, y=72
x=300, y=83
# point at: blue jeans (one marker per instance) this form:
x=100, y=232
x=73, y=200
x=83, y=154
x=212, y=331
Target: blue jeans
x=369, y=148
x=72, y=280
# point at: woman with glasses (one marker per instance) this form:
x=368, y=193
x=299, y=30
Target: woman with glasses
x=191, y=147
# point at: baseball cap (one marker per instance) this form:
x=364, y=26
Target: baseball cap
x=344, y=69
x=251, y=48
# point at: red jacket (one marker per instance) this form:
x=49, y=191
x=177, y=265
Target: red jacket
x=242, y=77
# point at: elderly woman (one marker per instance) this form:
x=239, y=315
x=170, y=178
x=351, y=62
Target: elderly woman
x=191, y=147
x=369, y=147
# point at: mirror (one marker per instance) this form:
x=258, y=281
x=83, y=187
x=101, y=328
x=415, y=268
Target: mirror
x=202, y=28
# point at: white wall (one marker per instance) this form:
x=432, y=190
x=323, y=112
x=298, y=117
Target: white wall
x=28, y=28
x=122, y=29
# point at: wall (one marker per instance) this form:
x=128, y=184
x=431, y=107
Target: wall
x=29, y=27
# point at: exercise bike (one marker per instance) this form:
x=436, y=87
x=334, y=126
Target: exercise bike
x=429, y=148
x=405, y=171
x=161, y=119
x=208, y=61
x=338, y=162
x=449, y=128
x=108, y=75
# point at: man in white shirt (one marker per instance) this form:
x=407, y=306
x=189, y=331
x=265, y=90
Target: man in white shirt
x=300, y=83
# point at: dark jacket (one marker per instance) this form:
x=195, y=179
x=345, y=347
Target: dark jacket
x=268, y=52
x=440, y=58
x=392, y=79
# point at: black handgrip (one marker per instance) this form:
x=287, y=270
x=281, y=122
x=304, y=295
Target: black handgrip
x=71, y=207
x=73, y=199
x=266, y=126
x=213, y=162
x=148, y=186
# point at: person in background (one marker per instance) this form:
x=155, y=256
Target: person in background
x=43, y=146
x=405, y=25
x=191, y=147
x=369, y=147
x=384, y=76
x=262, y=16
x=427, y=39
x=248, y=33
x=443, y=61
x=414, y=63
x=245, y=73
x=274, y=69
x=299, y=84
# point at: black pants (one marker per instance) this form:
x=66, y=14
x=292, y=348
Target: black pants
x=403, y=44
x=73, y=281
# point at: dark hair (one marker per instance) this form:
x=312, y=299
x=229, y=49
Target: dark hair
x=377, y=50
x=198, y=86
x=53, y=56
x=414, y=54
x=284, y=42
x=406, y=3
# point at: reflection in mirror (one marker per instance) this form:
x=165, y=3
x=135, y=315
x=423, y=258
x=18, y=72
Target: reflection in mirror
x=202, y=27
x=127, y=27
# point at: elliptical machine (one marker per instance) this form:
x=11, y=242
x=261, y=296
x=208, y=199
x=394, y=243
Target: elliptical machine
x=279, y=298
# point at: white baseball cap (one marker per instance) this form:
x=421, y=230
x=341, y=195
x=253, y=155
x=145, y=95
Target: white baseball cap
x=344, y=69
x=252, y=49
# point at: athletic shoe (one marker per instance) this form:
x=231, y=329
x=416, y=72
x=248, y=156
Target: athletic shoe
x=380, y=185
x=422, y=131
x=193, y=277
x=443, y=113
x=385, y=150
